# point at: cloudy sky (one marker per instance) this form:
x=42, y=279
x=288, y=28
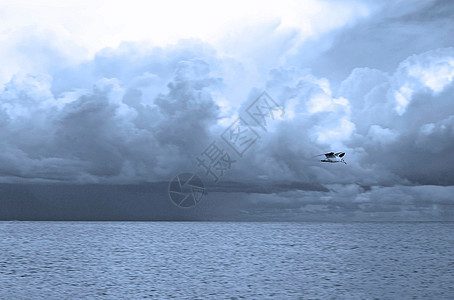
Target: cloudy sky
x=102, y=103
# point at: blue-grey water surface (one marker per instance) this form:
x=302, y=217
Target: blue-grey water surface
x=203, y=260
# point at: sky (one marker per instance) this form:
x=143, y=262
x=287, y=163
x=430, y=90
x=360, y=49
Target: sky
x=103, y=103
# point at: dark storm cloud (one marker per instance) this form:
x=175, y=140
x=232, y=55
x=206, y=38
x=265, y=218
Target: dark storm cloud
x=394, y=31
x=107, y=131
x=439, y=11
x=263, y=187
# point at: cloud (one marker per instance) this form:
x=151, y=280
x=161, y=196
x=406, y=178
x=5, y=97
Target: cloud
x=401, y=111
x=392, y=32
x=351, y=202
x=136, y=114
x=108, y=131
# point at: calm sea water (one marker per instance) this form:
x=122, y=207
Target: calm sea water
x=185, y=260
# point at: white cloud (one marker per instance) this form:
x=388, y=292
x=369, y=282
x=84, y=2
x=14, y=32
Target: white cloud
x=433, y=70
x=403, y=98
x=77, y=30
x=436, y=72
x=382, y=135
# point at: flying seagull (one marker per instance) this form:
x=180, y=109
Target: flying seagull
x=333, y=157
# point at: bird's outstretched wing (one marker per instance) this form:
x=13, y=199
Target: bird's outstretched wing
x=330, y=155
x=340, y=154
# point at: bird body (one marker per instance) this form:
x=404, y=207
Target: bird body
x=332, y=157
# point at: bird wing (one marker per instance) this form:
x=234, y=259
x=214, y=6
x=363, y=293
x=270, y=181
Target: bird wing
x=330, y=155
x=340, y=154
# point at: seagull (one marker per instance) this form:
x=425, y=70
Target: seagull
x=333, y=157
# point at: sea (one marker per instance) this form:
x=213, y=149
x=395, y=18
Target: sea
x=226, y=260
